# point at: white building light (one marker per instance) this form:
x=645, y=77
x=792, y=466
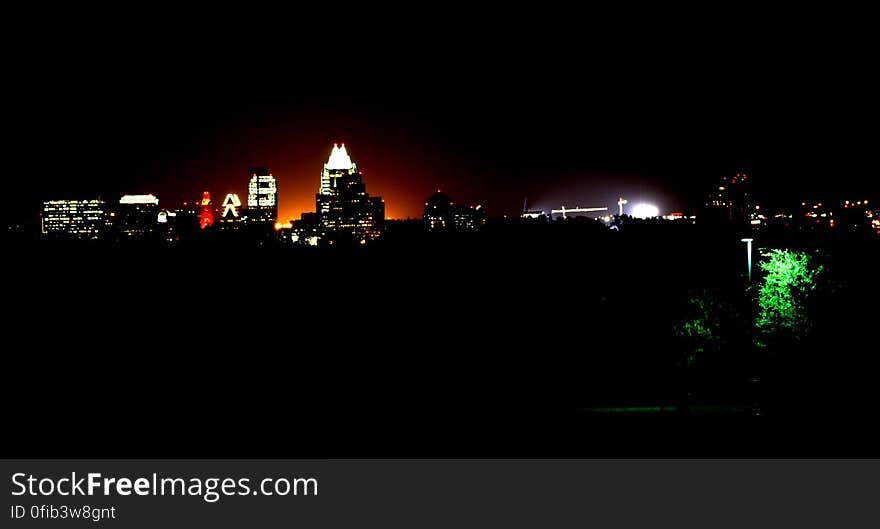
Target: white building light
x=139, y=199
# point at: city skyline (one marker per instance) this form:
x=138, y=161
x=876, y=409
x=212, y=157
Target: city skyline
x=601, y=193
x=480, y=149
x=344, y=206
x=576, y=109
x=440, y=231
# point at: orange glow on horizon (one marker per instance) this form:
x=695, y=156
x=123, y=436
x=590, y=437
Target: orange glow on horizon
x=385, y=173
x=297, y=185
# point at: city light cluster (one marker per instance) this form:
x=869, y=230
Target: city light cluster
x=344, y=211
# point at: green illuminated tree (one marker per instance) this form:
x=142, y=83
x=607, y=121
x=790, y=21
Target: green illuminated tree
x=700, y=331
x=789, y=279
x=712, y=345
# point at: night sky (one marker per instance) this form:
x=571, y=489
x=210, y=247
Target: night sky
x=489, y=106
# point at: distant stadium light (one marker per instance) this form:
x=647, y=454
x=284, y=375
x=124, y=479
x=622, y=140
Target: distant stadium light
x=645, y=211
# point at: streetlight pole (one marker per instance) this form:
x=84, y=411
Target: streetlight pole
x=749, y=255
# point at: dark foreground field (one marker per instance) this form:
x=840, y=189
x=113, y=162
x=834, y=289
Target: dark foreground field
x=518, y=342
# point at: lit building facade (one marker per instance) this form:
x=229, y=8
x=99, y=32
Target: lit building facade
x=206, y=213
x=342, y=203
x=441, y=214
x=470, y=218
x=76, y=219
x=438, y=212
x=230, y=212
x=306, y=230
x=137, y=216
x=262, y=201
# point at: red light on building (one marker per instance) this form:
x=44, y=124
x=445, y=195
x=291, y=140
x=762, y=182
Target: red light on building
x=206, y=216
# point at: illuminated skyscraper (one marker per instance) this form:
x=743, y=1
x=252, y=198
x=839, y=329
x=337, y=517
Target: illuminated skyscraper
x=342, y=204
x=438, y=212
x=78, y=219
x=138, y=216
x=339, y=164
x=206, y=214
x=230, y=216
x=262, y=203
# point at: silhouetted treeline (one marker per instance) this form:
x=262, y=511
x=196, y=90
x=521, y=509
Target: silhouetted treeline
x=504, y=339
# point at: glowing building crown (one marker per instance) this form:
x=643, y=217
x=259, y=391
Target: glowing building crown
x=138, y=199
x=339, y=158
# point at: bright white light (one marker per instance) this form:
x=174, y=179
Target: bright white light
x=230, y=205
x=645, y=211
x=339, y=158
x=138, y=199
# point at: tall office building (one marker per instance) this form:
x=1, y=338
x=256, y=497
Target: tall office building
x=75, y=219
x=342, y=204
x=206, y=211
x=262, y=203
x=438, y=212
x=338, y=165
x=138, y=216
x=230, y=214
